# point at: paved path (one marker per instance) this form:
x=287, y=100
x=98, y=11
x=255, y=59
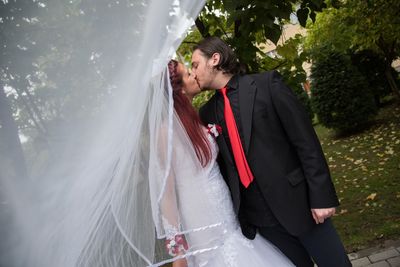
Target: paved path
x=388, y=256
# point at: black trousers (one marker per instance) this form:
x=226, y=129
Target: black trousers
x=322, y=244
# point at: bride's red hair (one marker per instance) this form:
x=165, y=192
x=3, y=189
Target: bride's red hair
x=188, y=115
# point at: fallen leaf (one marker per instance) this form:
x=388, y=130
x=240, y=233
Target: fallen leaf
x=371, y=196
x=389, y=152
x=359, y=161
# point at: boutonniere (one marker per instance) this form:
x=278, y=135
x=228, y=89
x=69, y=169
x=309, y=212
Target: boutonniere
x=214, y=129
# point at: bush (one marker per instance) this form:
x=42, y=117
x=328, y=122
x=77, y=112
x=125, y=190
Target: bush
x=341, y=97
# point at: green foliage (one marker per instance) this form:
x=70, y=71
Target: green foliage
x=375, y=25
x=202, y=98
x=185, y=49
x=329, y=32
x=360, y=25
x=341, y=97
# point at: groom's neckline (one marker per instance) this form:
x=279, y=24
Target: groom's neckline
x=233, y=83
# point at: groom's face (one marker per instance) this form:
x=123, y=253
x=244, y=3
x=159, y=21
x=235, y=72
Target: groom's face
x=202, y=69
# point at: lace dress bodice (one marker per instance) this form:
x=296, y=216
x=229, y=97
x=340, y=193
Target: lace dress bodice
x=218, y=190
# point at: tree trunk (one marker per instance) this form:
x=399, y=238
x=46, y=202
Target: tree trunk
x=238, y=22
x=12, y=156
x=31, y=108
x=34, y=107
x=392, y=82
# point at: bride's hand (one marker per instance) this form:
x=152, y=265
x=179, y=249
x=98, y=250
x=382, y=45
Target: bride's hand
x=179, y=263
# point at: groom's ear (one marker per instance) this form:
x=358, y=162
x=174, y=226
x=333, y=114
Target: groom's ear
x=215, y=58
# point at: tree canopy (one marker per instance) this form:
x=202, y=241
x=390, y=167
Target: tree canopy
x=247, y=25
x=356, y=26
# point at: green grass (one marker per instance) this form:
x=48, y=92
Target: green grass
x=365, y=168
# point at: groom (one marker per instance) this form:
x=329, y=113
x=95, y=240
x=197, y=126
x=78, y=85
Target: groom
x=270, y=157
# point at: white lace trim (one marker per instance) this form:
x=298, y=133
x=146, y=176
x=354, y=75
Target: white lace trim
x=172, y=231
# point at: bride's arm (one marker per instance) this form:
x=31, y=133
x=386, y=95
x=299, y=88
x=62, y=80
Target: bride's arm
x=175, y=242
x=168, y=203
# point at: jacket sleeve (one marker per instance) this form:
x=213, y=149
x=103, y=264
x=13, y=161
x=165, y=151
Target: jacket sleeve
x=302, y=136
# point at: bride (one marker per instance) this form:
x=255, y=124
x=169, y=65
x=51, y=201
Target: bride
x=224, y=245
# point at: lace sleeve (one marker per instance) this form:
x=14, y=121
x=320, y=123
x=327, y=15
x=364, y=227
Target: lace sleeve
x=168, y=203
x=175, y=242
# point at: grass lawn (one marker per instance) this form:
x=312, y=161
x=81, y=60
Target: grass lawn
x=366, y=171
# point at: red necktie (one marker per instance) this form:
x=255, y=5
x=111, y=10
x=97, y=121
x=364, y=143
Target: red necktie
x=245, y=175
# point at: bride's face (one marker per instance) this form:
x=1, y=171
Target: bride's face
x=190, y=85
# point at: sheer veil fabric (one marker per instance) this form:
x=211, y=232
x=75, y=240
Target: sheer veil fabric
x=105, y=170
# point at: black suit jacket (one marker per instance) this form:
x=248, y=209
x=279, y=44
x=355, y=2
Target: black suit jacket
x=282, y=150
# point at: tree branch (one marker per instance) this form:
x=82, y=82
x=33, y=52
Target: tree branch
x=202, y=28
x=189, y=42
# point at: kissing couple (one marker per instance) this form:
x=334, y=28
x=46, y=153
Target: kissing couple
x=250, y=182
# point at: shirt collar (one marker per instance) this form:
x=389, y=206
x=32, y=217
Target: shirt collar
x=233, y=83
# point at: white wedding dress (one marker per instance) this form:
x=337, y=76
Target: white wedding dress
x=233, y=249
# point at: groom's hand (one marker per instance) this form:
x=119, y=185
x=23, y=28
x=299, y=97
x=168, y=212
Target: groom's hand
x=320, y=215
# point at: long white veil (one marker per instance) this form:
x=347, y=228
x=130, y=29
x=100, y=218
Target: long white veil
x=88, y=136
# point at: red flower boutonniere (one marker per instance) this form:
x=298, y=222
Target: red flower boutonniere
x=214, y=129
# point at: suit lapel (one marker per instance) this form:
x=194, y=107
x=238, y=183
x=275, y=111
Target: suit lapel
x=247, y=92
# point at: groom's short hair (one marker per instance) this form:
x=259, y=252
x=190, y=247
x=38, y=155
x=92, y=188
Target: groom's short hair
x=228, y=62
